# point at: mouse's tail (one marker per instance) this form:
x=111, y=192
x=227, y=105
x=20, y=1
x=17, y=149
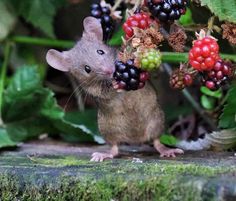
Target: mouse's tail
x=218, y=140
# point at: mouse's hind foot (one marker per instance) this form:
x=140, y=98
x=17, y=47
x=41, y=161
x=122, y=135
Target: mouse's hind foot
x=99, y=156
x=165, y=151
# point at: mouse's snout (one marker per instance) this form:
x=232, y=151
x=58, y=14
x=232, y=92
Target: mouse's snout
x=109, y=71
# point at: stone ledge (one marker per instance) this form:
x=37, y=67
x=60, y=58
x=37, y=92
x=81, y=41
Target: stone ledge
x=49, y=171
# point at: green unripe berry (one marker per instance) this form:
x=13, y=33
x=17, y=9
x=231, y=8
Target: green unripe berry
x=151, y=60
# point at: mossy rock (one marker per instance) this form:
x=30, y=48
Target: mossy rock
x=61, y=172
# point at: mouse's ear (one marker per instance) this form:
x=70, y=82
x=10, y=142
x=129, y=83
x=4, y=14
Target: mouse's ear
x=92, y=29
x=58, y=60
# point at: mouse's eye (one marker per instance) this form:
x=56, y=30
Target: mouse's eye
x=87, y=68
x=101, y=52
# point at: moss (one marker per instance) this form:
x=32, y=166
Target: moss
x=73, y=178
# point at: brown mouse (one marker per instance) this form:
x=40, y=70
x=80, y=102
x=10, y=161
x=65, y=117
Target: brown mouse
x=132, y=117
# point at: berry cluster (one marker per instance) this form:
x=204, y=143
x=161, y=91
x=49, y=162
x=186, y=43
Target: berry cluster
x=140, y=20
x=216, y=77
x=204, y=54
x=128, y=76
x=103, y=15
x=151, y=60
x=166, y=10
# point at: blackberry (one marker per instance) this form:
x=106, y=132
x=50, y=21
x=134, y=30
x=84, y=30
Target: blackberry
x=218, y=76
x=167, y=10
x=128, y=76
x=103, y=15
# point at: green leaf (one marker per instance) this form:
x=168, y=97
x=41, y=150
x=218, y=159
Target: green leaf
x=168, y=139
x=80, y=127
x=117, y=38
x=7, y=20
x=186, y=19
x=38, y=12
x=228, y=117
x=5, y=140
x=25, y=80
x=216, y=94
x=49, y=107
x=207, y=102
x=28, y=129
x=225, y=10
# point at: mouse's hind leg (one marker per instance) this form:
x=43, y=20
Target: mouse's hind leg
x=166, y=151
x=154, y=130
x=101, y=156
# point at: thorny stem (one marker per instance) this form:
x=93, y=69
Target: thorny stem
x=117, y=4
x=137, y=4
x=192, y=101
x=210, y=25
x=7, y=50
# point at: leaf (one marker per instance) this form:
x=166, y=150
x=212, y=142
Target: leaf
x=49, y=107
x=80, y=127
x=186, y=19
x=216, y=94
x=168, y=139
x=7, y=20
x=207, y=102
x=28, y=129
x=117, y=38
x=225, y=10
x=21, y=98
x=25, y=80
x=38, y=12
x=5, y=140
x=228, y=118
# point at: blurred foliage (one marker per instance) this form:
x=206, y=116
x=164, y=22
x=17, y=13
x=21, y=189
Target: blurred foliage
x=38, y=12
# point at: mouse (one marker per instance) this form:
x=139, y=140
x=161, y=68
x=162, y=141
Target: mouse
x=132, y=117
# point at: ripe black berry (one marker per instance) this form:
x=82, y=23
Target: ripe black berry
x=103, y=15
x=128, y=76
x=167, y=10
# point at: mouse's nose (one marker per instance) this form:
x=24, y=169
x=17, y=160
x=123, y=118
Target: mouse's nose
x=108, y=71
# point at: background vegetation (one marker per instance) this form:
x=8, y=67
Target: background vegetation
x=37, y=100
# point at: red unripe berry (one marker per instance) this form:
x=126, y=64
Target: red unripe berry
x=210, y=85
x=140, y=20
x=204, y=54
x=144, y=76
x=188, y=80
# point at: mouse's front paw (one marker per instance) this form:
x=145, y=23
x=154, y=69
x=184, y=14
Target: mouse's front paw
x=118, y=86
x=99, y=157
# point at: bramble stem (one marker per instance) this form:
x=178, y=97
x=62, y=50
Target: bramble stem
x=42, y=41
x=7, y=50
